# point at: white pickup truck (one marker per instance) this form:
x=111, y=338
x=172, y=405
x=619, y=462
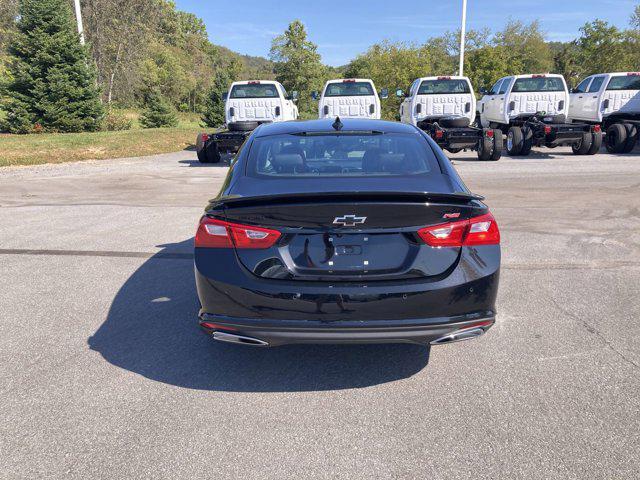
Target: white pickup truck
x=247, y=105
x=350, y=98
x=611, y=100
x=445, y=107
x=532, y=111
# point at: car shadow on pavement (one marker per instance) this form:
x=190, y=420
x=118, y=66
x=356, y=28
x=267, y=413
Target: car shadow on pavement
x=196, y=163
x=151, y=329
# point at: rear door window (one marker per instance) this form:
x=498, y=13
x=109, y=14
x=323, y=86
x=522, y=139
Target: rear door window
x=630, y=82
x=344, y=154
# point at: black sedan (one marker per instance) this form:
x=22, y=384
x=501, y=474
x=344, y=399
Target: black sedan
x=353, y=231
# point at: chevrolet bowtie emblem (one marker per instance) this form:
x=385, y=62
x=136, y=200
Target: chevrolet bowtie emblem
x=349, y=220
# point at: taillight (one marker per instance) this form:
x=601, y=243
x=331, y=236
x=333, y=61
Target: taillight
x=205, y=137
x=547, y=130
x=482, y=230
x=596, y=129
x=439, y=134
x=213, y=233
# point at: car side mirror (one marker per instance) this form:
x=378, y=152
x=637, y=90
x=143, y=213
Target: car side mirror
x=315, y=95
x=294, y=96
x=225, y=96
x=400, y=93
x=483, y=91
x=384, y=93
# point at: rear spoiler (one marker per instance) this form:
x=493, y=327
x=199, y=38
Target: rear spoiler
x=435, y=197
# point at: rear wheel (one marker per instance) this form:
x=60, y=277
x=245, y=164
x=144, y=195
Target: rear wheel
x=596, y=143
x=213, y=154
x=498, y=144
x=485, y=147
x=582, y=146
x=202, y=156
x=515, y=140
x=632, y=137
x=527, y=141
x=616, y=138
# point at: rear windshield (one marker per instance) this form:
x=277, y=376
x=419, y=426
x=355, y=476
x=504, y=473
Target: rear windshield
x=630, y=82
x=348, y=89
x=439, y=87
x=254, y=91
x=542, y=84
x=344, y=154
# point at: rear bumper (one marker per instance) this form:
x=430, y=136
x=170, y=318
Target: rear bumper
x=561, y=134
x=289, y=311
x=228, y=140
x=421, y=332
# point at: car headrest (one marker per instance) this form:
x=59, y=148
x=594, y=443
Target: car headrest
x=371, y=160
x=288, y=162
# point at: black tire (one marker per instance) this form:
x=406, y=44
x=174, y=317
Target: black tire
x=527, y=141
x=243, y=126
x=485, y=147
x=202, y=156
x=498, y=145
x=454, y=122
x=596, y=143
x=583, y=146
x=454, y=150
x=632, y=137
x=213, y=154
x=616, y=138
x=515, y=140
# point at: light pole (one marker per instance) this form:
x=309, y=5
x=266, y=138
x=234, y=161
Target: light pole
x=462, y=35
x=76, y=3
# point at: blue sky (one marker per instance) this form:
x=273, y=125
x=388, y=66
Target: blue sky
x=342, y=29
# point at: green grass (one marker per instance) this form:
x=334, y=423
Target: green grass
x=68, y=147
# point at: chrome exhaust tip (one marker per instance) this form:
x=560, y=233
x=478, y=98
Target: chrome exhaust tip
x=459, y=336
x=239, y=339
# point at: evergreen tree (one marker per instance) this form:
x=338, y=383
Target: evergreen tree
x=213, y=115
x=159, y=113
x=52, y=83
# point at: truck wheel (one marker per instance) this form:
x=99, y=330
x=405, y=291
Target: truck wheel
x=498, y=144
x=527, y=141
x=243, y=126
x=213, y=154
x=632, y=137
x=596, y=143
x=616, y=138
x=202, y=156
x=582, y=146
x=485, y=147
x=515, y=140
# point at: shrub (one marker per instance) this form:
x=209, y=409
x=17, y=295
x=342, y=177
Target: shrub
x=159, y=113
x=115, y=121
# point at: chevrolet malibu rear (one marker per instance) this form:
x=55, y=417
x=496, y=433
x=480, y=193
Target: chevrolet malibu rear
x=352, y=231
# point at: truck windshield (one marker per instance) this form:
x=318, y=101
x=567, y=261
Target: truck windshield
x=538, y=84
x=443, y=87
x=255, y=90
x=348, y=89
x=345, y=154
x=630, y=82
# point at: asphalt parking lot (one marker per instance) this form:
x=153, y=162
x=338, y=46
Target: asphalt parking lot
x=104, y=374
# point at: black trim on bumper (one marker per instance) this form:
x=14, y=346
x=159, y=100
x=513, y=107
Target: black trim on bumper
x=281, y=332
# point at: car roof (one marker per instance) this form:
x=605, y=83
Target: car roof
x=326, y=125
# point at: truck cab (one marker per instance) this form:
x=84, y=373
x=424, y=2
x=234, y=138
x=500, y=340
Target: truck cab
x=606, y=94
x=523, y=96
x=250, y=103
x=431, y=98
x=350, y=98
x=612, y=101
x=532, y=111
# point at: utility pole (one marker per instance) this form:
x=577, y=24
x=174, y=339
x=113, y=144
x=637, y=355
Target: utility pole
x=79, y=20
x=462, y=35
